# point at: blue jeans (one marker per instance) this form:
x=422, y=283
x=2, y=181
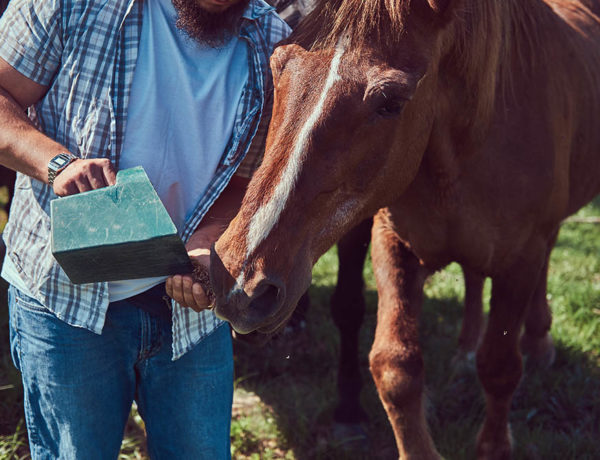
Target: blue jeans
x=79, y=386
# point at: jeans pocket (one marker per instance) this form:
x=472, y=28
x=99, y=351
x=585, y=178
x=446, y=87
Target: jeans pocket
x=29, y=303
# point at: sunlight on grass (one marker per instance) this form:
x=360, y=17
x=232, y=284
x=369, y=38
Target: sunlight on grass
x=325, y=270
x=14, y=446
x=254, y=429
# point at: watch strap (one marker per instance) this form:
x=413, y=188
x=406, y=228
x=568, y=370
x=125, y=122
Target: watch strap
x=57, y=164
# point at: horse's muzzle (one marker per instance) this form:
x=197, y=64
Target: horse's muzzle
x=255, y=306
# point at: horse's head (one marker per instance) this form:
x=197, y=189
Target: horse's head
x=349, y=127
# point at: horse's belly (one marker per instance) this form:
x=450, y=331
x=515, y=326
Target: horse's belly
x=438, y=246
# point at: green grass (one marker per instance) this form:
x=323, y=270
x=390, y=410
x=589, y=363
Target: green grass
x=286, y=391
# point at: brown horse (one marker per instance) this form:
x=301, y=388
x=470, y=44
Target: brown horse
x=472, y=126
x=348, y=302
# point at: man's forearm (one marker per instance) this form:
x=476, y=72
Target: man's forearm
x=25, y=149
x=221, y=213
x=184, y=288
x=22, y=146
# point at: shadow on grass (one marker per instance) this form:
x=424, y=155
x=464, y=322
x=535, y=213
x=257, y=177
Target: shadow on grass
x=555, y=412
x=296, y=377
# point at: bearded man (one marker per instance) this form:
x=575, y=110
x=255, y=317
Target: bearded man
x=181, y=87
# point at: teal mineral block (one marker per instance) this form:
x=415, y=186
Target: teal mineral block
x=116, y=233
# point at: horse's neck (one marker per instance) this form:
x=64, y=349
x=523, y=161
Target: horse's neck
x=501, y=50
x=499, y=72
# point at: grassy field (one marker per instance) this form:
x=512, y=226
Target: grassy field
x=285, y=391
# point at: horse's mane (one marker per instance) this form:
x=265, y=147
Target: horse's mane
x=483, y=40
x=491, y=42
x=382, y=20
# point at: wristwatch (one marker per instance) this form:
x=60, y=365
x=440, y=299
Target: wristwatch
x=57, y=164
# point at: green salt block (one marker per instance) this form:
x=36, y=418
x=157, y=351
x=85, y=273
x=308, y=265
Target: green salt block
x=116, y=233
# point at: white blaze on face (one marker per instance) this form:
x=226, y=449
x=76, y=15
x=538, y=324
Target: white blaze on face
x=268, y=215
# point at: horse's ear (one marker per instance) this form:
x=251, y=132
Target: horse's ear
x=439, y=11
x=439, y=6
x=281, y=56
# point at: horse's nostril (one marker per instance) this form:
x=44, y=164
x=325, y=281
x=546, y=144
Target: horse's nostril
x=266, y=299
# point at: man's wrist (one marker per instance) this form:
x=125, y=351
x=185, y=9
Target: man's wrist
x=58, y=164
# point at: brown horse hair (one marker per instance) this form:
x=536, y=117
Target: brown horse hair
x=380, y=20
x=489, y=38
x=482, y=40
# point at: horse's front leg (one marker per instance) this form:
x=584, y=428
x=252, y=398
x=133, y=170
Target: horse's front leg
x=472, y=324
x=396, y=360
x=348, y=309
x=499, y=362
x=536, y=341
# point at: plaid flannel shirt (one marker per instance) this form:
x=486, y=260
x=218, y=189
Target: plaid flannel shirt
x=85, y=52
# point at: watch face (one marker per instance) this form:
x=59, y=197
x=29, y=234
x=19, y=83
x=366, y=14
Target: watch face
x=57, y=164
x=61, y=161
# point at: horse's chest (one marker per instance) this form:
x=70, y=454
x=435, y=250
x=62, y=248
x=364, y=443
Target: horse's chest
x=441, y=228
x=425, y=231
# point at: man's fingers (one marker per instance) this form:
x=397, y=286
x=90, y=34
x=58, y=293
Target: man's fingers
x=186, y=292
x=188, y=297
x=110, y=176
x=169, y=286
x=176, y=288
x=96, y=177
x=83, y=184
x=200, y=296
x=83, y=175
x=66, y=189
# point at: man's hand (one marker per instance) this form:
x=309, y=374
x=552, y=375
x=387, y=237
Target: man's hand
x=184, y=289
x=83, y=175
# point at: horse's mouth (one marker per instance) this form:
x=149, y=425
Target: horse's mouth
x=272, y=327
x=260, y=336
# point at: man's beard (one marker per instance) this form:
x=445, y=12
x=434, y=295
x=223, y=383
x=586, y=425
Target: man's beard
x=212, y=29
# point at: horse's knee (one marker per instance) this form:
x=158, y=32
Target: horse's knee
x=536, y=341
x=499, y=369
x=539, y=319
x=398, y=375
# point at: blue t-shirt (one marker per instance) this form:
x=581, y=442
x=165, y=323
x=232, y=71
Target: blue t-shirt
x=182, y=109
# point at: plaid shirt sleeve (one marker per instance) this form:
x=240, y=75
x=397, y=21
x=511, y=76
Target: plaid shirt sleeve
x=276, y=30
x=255, y=154
x=31, y=38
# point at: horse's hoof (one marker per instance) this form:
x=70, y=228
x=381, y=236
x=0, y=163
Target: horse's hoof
x=350, y=436
x=494, y=445
x=540, y=352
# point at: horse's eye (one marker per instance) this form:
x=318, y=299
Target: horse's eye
x=391, y=107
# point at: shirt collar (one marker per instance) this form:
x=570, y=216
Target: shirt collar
x=256, y=9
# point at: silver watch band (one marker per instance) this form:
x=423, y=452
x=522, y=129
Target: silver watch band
x=57, y=164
